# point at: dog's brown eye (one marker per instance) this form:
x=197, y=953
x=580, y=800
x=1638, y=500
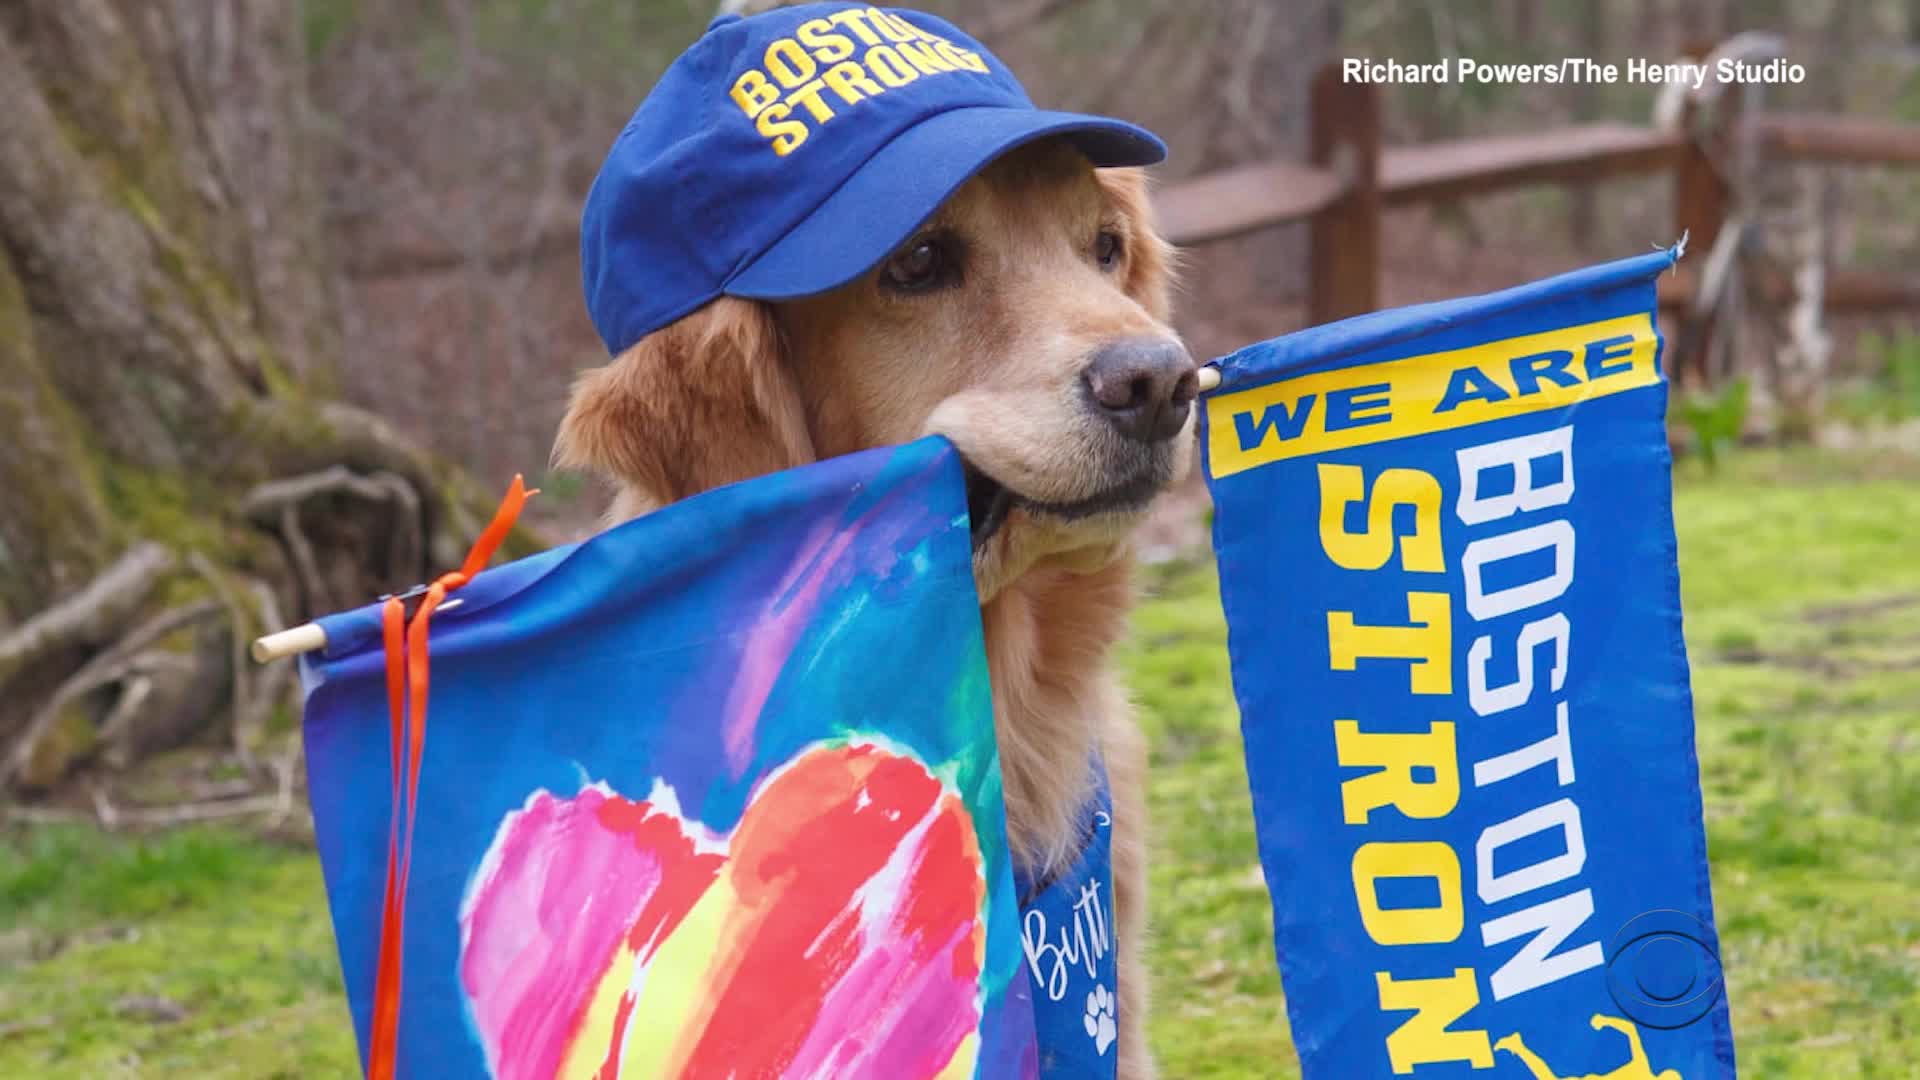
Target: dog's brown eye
x=925, y=263
x=1106, y=248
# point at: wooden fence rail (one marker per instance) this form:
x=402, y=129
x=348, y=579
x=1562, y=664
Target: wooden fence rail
x=1351, y=178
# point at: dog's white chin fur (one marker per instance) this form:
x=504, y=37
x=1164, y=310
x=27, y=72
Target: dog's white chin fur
x=1028, y=540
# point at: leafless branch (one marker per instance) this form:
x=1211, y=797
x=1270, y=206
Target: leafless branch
x=108, y=816
x=266, y=502
x=406, y=548
x=1245, y=69
x=1025, y=18
x=277, y=503
x=134, y=691
x=284, y=765
x=273, y=678
x=306, y=566
x=560, y=238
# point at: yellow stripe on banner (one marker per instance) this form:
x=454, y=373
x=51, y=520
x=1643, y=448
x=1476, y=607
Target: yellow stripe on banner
x=1398, y=399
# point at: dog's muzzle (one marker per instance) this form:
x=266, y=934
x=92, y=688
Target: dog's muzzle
x=1142, y=387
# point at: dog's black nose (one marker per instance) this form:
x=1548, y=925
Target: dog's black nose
x=1143, y=386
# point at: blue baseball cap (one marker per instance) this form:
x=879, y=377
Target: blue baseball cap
x=786, y=153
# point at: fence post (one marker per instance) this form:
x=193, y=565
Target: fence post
x=1343, y=265
x=1701, y=198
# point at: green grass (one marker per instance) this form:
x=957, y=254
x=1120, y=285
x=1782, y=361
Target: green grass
x=201, y=952
x=207, y=953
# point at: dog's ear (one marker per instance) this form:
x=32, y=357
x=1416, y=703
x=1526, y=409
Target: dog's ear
x=704, y=401
x=1151, y=261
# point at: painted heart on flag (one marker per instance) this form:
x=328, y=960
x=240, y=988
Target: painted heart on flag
x=836, y=932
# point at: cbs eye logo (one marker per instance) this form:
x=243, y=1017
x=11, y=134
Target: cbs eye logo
x=1662, y=970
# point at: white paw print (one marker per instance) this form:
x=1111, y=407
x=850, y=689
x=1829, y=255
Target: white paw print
x=1099, y=1019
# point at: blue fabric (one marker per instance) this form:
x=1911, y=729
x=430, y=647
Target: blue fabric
x=635, y=701
x=1447, y=561
x=784, y=154
x=1067, y=931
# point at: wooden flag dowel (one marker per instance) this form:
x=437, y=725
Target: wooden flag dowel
x=306, y=638
x=299, y=639
x=1209, y=377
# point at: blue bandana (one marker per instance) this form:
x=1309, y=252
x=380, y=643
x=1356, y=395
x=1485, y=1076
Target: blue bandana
x=1066, y=928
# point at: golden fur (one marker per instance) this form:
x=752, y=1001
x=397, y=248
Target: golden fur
x=995, y=360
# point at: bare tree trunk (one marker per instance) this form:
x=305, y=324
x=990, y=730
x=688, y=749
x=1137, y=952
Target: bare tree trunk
x=167, y=325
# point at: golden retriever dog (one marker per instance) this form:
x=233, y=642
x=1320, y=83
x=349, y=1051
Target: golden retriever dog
x=1026, y=321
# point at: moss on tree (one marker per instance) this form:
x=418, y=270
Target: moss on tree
x=164, y=322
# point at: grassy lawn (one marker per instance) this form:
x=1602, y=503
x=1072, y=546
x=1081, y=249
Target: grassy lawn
x=207, y=952
x=200, y=953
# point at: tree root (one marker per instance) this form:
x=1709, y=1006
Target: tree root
x=276, y=805
x=149, y=698
x=244, y=713
x=276, y=505
x=274, y=678
x=90, y=615
x=314, y=595
x=116, y=664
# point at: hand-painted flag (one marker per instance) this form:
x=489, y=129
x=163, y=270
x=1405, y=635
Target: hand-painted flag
x=712, y=793
x=1447, y=560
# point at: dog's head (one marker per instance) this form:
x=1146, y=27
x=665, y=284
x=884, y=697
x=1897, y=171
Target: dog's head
x=1024, y=319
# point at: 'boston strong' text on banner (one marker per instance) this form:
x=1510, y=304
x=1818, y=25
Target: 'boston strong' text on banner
x=1446, y=562
x=1420, y=775
x=1446, y=559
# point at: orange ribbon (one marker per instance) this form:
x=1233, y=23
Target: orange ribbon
x=405, y=641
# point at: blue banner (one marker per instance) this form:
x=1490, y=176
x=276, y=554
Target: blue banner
x=714, y=792
x=1446, y=556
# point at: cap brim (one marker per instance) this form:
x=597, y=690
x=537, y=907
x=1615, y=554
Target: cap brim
x=906, y=181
